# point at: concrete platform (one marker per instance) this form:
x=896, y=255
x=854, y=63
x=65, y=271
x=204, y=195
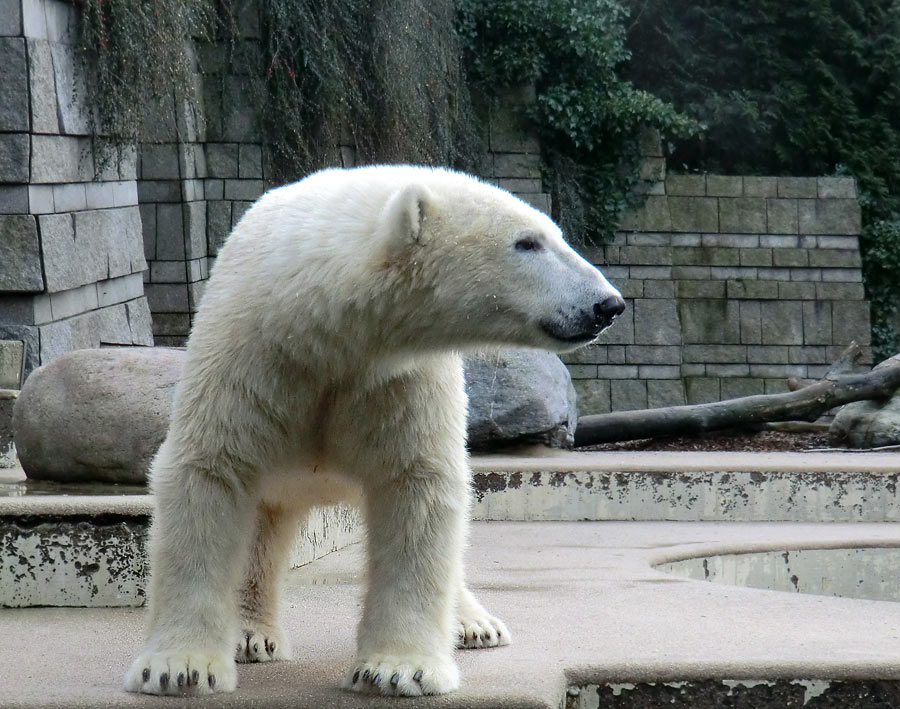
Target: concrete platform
x=582, y=599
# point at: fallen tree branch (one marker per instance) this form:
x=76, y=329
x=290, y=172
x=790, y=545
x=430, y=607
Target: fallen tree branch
x=805, y=404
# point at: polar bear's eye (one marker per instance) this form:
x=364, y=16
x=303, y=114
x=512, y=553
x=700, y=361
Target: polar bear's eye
x=528, y=243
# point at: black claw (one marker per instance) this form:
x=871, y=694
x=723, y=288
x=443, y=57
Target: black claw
x=164, y=680
x=255, y=647
x=499, y=634
x=180, y=680
x=355, y=677
x=212, y=681
x=376, y=680
x=195, y=676
x=145, y=675
x=366, y=675
x=484, y=638
x=418, y=676
x=395, y=679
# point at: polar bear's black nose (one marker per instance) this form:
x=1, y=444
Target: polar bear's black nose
x=609, y=309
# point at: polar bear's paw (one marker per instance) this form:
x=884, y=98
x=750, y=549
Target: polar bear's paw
x=262, y=643
x=402, y=675
x=481, y=629
x=187, y=672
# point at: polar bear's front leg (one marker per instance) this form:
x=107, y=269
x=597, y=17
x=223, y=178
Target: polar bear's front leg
x=478, y=628
x=198, y=540
x=408, y=629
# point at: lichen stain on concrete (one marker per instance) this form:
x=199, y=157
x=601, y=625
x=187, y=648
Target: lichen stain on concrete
x=558, y=479
x=489, y=482
x=65, y=562
x=740, y=694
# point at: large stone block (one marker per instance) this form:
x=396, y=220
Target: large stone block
x=694, y=214
x=592, y=396
x=139, y=320
x=646, y=255
x=709, y=321
x=170, y=232
x=12, y=364
x=835, y=258
x=159, y=162
x=13, y=199
x=14, y=157
x=851, y=322
x=742, y=215
x=526, y=165
x=760, y=186
x=817, y=322
x=750, y=322
x=96, y=414
x=686, y=185
x=782, y=216
x=56, y=158
x=797, y=187
x=10, y=18
x=653, y=215
x=14, y=114
x=782, y=322
x=665, y=392
x=71, y=89
x=195, y=230
x=656, y=322
x=829, y=216
x=702, y=390
x=724, y=186
x=628, y=394
x=715, y=353
x=20, y=258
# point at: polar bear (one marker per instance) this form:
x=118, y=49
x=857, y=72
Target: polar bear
x=323, y=366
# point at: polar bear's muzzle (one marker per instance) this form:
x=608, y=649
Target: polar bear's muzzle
x=584, y=326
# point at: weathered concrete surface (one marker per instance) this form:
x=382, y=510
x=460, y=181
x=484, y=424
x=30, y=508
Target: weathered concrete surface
x=648, y=486
x=739, y=694
x=96, y=414
x=583, y=601
x=90, y=551
x=862, y=572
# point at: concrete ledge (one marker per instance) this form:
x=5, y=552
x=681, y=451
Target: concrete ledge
x=648, y=486
x=583, y=601
x=90, y=550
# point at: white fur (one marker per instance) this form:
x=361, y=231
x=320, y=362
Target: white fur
x=323, y=367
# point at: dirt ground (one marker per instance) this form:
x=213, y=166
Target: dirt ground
x=726, y=441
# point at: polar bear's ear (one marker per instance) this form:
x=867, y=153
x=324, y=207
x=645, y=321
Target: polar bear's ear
x=405, y=212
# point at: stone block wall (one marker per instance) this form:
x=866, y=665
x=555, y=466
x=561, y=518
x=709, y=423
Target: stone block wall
x=513, y=158
x=733, y=284
x=71, y=252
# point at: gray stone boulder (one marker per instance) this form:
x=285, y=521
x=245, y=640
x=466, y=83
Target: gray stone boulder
x=519, y=396
x=96, y=415
x=869, y=424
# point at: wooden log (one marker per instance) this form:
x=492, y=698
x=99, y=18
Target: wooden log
x=805, y=404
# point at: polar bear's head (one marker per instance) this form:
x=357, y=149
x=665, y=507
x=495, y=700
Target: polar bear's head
x=493, y=269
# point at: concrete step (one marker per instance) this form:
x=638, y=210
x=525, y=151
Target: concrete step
x=595, y=623
x=90, y=550
x=702, y=486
